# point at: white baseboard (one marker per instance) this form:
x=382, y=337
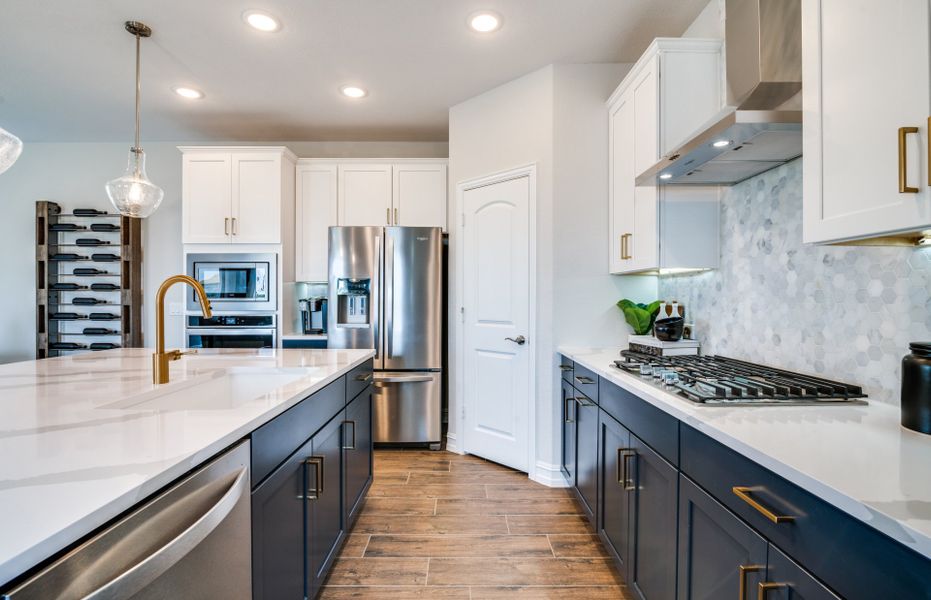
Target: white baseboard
x=451, y=444
x=549, y=475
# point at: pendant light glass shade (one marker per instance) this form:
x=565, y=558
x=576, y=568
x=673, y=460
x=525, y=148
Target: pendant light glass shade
x=10, y=149
x=133, y=195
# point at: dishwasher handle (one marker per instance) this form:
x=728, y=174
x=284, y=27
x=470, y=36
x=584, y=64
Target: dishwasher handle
x=148, y=570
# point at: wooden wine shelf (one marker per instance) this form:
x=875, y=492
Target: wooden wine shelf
x=128, y=269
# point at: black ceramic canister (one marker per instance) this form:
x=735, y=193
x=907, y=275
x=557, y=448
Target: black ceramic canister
x=916, y=388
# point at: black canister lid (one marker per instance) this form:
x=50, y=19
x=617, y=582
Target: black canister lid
x=923, y=348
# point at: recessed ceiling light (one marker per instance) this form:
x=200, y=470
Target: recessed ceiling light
x=261, y=21
x=666, y=176
x=485, y=21
x=189, y=93
x=352, y=91
x=721, y=143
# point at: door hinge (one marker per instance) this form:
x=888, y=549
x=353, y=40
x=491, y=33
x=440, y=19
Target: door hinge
x=462, y=314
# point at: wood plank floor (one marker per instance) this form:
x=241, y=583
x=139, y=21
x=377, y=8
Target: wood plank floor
x=440, y=525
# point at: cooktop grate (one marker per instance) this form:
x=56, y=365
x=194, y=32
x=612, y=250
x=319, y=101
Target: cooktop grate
x=719, y=380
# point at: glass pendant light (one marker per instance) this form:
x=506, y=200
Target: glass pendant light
x=133, y=195
x=10, y=149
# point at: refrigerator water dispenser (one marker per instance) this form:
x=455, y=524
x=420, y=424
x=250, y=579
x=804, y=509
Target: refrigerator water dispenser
x=352, y=302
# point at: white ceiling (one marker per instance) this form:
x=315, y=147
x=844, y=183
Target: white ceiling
x=66, y=66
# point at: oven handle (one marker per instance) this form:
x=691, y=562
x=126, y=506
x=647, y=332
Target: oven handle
x=230, y=331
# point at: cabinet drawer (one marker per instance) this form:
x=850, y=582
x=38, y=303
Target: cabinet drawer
x=585, y=381
x=851, y=557
x=659, y=430
x=565, y=366
x=358, y=379
x=273, y=442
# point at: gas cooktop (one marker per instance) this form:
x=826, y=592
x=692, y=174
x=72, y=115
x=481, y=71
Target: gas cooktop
x=722, y=381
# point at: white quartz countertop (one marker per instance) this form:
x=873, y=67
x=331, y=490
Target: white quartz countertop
x=75, y=453
x=857, y=458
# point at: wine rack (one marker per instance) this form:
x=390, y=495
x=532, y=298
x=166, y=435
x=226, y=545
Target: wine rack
x=88, y=281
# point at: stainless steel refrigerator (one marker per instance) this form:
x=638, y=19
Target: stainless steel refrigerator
x=386, y=293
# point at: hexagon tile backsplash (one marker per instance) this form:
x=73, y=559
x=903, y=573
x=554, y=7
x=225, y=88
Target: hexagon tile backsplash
x=846, y=313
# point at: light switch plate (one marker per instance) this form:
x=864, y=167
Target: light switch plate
x=175, y=308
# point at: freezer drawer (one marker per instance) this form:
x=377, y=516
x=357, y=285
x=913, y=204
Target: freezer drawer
x=406, y=406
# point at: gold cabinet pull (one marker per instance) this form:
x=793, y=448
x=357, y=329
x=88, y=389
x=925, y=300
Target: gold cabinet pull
x=226, y=226
x=235, y=229
x=766, y=587
x=317, y=463
x=744, y=493
x=622, y=247
x=625, y=246
x=388, y=216
x=622, y=454
x=904, y=188
x=744, y=569
x=626, y=479
x=569, y=400
x=396, y=218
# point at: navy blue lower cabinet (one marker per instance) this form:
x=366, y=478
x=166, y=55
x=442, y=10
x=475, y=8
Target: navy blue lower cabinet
x=324, y=530
x=614, y=506
x=654, y=485
x=569, y=410
x=785, y=580
x=586, y=475
x=357, y=455
x=297, y=343
x=719, y=556
x=278, y=512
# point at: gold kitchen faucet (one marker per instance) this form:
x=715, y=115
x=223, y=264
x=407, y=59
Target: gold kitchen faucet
x=161, y=359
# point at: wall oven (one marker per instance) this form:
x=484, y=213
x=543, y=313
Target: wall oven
x=232, y=331
x=235, y=282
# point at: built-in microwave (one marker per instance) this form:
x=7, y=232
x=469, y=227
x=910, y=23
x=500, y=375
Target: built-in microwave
x=235, y=282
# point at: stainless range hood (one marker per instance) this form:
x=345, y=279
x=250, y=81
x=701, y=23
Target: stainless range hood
x=764, y=71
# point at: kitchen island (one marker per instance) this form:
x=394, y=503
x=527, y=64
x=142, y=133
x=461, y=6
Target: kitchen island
x=87, y=437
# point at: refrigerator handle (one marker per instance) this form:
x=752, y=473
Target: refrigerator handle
x=389, y=295
x=375, y=301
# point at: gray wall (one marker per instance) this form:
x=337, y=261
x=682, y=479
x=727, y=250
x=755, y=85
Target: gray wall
x=845, y=313
x=73, y=175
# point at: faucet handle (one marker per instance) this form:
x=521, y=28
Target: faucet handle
x=177, y=354
x=182, y=353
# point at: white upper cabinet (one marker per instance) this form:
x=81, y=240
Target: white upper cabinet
x=674, y=89
x=317, y=211
x=236, y=195
x=410, y=193
x=866, y=80
x=364, y=194
x=419, y=195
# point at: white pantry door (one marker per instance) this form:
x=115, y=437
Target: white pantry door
x=496, y=290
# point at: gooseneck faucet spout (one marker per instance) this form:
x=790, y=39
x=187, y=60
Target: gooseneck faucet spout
x=161, y=359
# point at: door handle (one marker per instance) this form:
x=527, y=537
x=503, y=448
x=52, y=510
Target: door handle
x=627, y=481
x=388, y=216
x=351, y=446
x=403, y=379
x=226, y=225
x=519, y=340
x=765, y=587
x=396, y=219
x=621, y=467
x=584, y=379
x=743, y=570
x=568, y=402
x=317, y=463
x=904, y=188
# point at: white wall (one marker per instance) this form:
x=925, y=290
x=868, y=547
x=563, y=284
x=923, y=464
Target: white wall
x=554, y=117
x=709, y=23
x=73, y=175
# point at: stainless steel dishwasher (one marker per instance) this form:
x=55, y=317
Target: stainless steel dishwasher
x=192, y=541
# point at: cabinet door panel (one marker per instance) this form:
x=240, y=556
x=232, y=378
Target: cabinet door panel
x=317, y=207
x=858, y=95
x=621, y=181
x=278, y=507
x=646, y=118
x=652, y=564
x=419, y=196
x=586, y=475
x=797, y=583
x=364, y=194
x=569, y=410
x=613, y=504
x=357, y=442
x=206, y=189
x=325, y=518
x=713, y=545
x=256, y=205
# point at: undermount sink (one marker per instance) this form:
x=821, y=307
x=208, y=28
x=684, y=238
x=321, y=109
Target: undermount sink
x=219, y=390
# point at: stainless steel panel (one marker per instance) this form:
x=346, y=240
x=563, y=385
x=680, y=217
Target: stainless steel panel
x=355, y=254
x=413, y=298
x=406, y=406
x=192, y=541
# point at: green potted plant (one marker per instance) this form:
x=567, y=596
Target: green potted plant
x=639, y=316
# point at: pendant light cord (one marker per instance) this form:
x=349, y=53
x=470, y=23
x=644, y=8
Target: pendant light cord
x=136, y=147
